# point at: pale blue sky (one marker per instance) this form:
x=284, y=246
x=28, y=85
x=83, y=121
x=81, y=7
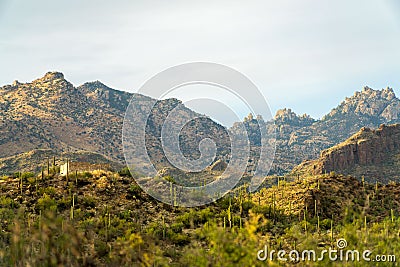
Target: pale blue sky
x=305, y=55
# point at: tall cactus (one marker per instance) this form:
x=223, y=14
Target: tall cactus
x=171, y=193
x=365, y=223
x=72, y=206
x=48, y=167
x=21, y=182
x=175, y=198
x=305, y=220
x=315, y=208
x=67, y=170
x=163, y=226
x=363, y=182
x=229, y=215
x=54, y=164
x=273, y=204
x=392, y=215
x=332, y=229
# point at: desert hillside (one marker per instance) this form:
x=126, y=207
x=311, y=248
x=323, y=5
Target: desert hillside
x=372, y=154
x=102, y=218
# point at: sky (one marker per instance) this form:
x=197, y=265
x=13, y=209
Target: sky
x=305, y=55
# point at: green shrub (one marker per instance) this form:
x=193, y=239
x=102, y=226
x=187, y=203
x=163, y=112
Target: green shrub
x=27, y=175
x=178, y=238
x=101, y=248
x=169, y=179
x=64, y=203
x=177, y=227
x=247, y=205
x=46, y=203
x=51, y=191
x=125, y=172
x=86, y=175
x=9, y=203
x=155, y=229
x=135, y=190
x=88, y=202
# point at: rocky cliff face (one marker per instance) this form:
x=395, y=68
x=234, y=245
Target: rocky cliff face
x=290, y=147
x=301, y=138
x=374, y=154
x=367, y=147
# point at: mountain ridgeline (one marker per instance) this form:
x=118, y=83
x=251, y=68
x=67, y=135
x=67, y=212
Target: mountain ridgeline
x=300, y=138
x=50, y=113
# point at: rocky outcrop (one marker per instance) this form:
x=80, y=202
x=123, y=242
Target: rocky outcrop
x=382, y=104
x=367, y=147
x=287, y=116
x=370, y=153
x=300, y=138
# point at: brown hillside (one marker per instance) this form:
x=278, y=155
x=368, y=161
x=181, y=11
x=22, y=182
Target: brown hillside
x=51, y=113
x=374, y=154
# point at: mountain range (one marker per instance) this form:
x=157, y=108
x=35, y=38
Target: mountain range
x=302, y=138
x=51, y=113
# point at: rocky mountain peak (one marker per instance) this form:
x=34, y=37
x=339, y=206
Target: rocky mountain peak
x=287, y=116
x=53, y=75
x=95, y=89
x=249, y=117
x=383, y=105
x=104, y=95
x=285, y=113
x=16, y=83
x=51, y=81
x=94, y=85
x=369, y=93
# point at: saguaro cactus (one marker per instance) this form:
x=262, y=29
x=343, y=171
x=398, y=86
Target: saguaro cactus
x=163, y=226
x=363, y=182
x=305, y=220
x=229, y=215
x=315, y=208
x=365, y=224
x=21, y=182
x=48, y=167
x=67, y=170
x=273, y=204
x=392, y=215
